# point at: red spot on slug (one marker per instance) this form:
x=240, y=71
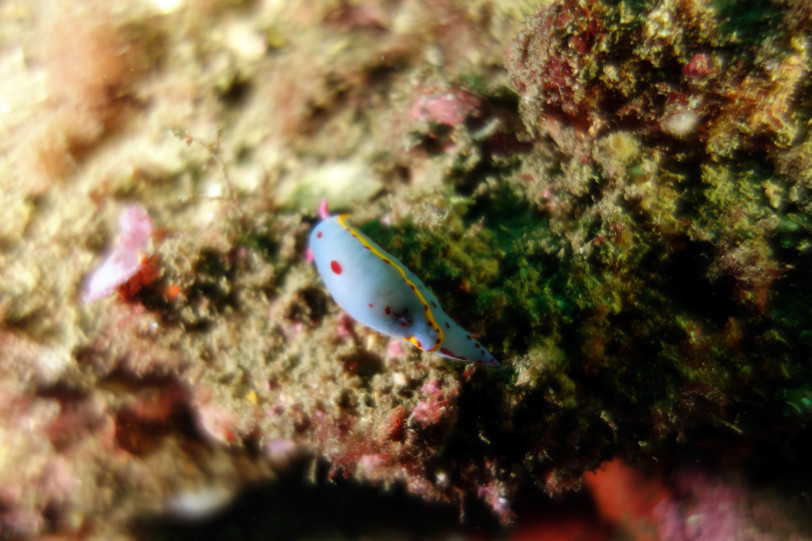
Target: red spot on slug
x=388, y=311
x=447, y=326
x=419, y=344
x=335, y=266
x=467, y=336
x=433, y=304
x=318, y=235
x=371, y=305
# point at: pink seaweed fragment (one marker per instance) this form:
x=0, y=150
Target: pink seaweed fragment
x=449, y=108
x=126, y=257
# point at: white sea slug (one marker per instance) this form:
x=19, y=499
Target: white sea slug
x=379, y=291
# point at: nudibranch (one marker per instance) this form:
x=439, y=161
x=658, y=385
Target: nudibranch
x=377, y=290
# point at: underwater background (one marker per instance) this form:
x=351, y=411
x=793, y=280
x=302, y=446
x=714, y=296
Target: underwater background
x=612, y=197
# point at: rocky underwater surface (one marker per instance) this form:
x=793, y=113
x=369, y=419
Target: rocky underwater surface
x=612, y=197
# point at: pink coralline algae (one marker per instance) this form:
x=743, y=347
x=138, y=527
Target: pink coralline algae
x=582, y=64
x=550, y=60
x=688, y=504
x=394, y=349
x=713, y=509
x=449, y=108
x=125, y=259
x=432, y=409
x=495, y=497
x=698, y=67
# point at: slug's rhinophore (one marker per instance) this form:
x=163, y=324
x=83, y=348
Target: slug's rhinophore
x=378, y=291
